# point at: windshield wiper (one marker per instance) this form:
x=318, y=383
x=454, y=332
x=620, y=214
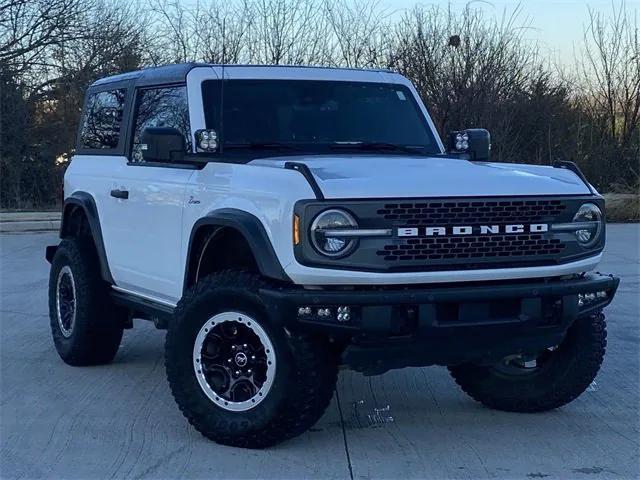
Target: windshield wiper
x=259, y=146
x=376, y=146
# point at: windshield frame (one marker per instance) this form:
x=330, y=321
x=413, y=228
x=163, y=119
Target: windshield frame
x=212, y=91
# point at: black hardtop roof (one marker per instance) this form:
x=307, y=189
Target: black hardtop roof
x=177, y=73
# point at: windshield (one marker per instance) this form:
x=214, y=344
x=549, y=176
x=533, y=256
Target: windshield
x=317, y=115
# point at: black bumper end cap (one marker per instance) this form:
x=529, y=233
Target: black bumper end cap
x=50, y=252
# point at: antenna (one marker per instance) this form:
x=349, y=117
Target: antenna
x=222, y=86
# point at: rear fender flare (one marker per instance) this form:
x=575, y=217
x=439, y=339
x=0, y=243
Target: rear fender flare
x=86, y=202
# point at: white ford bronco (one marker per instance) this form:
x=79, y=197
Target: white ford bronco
x=282, y=222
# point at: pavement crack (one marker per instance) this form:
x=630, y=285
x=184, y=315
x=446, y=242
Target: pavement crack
x=344, y=436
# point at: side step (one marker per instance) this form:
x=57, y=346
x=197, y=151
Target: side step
x=146, y=309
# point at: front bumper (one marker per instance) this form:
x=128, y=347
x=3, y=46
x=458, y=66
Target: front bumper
x=394, y=327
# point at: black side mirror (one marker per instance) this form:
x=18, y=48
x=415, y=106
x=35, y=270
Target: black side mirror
x=475, y=142
x=162, y=144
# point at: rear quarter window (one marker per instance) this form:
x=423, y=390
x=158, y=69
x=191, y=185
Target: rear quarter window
x=102, y=121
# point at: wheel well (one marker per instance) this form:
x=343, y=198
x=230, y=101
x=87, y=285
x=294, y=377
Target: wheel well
x=216, y=248
x=75, y=223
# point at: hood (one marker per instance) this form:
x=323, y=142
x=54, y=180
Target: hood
x=395, y=176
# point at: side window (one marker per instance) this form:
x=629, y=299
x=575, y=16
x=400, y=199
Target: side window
x=161, y=107
x=103, y=120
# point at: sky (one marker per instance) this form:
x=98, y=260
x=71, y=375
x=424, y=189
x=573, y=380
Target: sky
x=556, y=25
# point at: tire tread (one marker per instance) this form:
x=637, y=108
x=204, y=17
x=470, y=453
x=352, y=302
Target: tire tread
x=310, y=385
x=98, y=328
x=589, y=345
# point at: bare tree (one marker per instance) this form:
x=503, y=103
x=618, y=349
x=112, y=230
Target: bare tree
x=472, y=82
x=223, y=31
x=358, y=29
x=286, y=32
x=29, y=27
x=611, y=69
x=50, y=50
x=610, y=85
x=46, y=85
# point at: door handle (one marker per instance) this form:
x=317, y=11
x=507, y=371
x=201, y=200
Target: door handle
x=123, y=194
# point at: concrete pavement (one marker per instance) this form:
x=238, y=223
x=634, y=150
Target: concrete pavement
x=120, y=421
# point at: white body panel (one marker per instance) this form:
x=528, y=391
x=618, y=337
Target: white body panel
x=147, y=236
x=270, y=193
x=393, y=176
x=142, y=235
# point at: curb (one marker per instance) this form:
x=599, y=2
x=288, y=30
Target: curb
x=18, y=222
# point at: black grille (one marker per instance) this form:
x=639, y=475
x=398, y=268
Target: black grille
x=412, y=248
x=480, y=212
x=472, y=247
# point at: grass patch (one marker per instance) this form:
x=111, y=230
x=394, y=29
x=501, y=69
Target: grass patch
x=622, y=207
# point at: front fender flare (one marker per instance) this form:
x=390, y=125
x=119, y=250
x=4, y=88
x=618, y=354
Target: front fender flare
x=251, y=228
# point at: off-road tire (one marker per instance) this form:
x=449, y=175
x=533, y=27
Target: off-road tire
x=568, y=374
x=305, y=376
x=97, y=330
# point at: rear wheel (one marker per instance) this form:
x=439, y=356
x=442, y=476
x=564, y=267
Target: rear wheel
x=547, y=380
x=239, y=379
x=86, y=326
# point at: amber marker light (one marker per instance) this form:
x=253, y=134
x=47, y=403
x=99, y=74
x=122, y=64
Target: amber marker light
x=296, y=230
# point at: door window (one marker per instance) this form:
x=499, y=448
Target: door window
x=161, y=107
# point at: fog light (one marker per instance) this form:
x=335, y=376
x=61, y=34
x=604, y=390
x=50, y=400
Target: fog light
x=303, y=311
x=324, y=312
x=588, y=298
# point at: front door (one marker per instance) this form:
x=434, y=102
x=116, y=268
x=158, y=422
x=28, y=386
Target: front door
x=146, y=210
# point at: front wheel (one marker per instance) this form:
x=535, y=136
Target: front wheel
x=541, y=382
x=239, y=379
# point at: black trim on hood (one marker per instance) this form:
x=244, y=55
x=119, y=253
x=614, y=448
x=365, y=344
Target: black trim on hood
x=306, y=172
x=567, y=165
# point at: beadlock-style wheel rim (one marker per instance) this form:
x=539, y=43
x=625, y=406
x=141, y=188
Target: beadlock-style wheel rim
x=234, y=361
x=66, y=301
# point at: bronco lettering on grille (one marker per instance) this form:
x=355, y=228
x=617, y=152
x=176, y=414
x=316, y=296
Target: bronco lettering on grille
x=471, y=230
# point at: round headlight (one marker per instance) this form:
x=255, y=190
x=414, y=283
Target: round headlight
x=324, y=236
x=591, y=215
